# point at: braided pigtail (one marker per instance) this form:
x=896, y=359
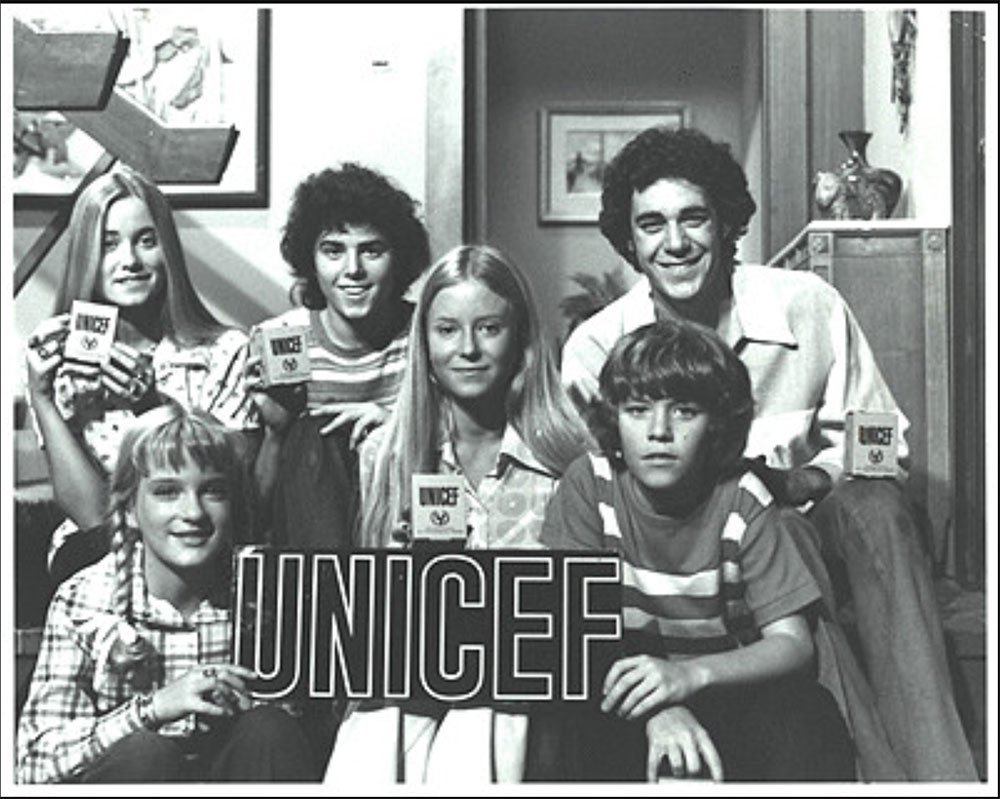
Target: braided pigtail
x=132, y=656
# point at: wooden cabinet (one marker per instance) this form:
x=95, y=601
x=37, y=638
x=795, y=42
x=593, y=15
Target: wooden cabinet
x=893, y=275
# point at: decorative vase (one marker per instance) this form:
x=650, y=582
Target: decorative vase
x=857, y=190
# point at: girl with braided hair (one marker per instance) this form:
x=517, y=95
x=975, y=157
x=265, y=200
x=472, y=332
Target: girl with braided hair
x=133, y=681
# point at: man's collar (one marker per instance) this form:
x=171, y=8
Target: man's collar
x=755, y=315
x=749, y=314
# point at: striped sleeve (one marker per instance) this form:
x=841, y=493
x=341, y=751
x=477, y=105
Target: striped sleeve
x=776, y=580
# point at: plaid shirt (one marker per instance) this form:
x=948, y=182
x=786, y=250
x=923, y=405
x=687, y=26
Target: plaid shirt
x=78, y=706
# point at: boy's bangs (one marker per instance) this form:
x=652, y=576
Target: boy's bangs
x=651, y=375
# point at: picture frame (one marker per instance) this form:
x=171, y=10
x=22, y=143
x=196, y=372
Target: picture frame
x=242, y=102
x=576, y=142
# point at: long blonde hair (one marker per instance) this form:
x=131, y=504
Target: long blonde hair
x=183, y=316
x=536, y=405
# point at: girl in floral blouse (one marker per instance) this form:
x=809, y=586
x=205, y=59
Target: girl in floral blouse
x=480, y=399
x=124, y=251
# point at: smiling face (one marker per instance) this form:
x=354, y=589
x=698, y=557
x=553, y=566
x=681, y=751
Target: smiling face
x=471, y=342
x=132, y=261
x=663, y=446
x=185, y=517
x=354, y=271
x=675, y=233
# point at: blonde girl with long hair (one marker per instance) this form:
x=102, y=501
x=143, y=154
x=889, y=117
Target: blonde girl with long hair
x=124, y=251
x=480, y=399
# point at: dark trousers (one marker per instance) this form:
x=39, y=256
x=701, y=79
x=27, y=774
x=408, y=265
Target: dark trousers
x=783, y=730
x=265, y=744
x=315, y=501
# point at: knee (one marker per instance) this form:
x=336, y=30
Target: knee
x=265, y=744
x=801, y=734
x=143, y=756
x=871, y=515
x=268, y=727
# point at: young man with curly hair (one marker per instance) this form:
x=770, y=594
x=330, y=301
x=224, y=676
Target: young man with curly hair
x=355, y=243
x=674, y=205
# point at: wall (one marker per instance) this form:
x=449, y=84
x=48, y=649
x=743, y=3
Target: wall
x=921, y=155
x=328, y=104
x=537, y=57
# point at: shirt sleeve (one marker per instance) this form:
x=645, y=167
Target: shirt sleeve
x=572, y=518
x=778, y=583
x=61, y=731
x=223, y=392
x=854, y=382
x=583, y=357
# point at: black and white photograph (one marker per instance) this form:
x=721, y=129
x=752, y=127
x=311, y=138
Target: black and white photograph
x=538, y=399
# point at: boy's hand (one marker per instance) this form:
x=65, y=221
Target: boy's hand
x=793, y=486
x=639, y=684
x=363, y=416
x=675, y=734
x=278, y=405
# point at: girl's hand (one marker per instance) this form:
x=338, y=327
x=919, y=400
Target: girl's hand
x=128, y=374
x=637, y=685
x=45, y=354
x=365, y=416
x=212, y=690
x=674, y=733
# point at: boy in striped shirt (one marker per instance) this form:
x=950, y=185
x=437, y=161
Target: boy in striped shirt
x=717, y=678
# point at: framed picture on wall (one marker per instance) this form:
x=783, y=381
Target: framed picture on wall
x=576, y=142
x=191, y=73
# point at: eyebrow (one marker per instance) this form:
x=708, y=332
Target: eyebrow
x=488, y=317
x=336, y=235
x=113, y=231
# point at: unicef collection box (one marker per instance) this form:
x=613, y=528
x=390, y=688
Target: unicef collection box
x=872, y=444
x=91, y=332
x=284, y=354
x=439, y=512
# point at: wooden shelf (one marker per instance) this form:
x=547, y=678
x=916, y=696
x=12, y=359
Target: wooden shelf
x=893, y=275
x=163, y=153
x=65, y=70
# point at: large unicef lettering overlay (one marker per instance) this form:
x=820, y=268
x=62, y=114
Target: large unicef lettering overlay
x=464, y=627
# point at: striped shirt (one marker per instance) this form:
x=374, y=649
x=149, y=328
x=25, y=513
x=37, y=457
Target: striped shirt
x=78, y=706
x=707, y=583
x=349, y=375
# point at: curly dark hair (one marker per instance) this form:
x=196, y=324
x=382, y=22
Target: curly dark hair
x=683, y=361
x=687, y=153
x=351, y=195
